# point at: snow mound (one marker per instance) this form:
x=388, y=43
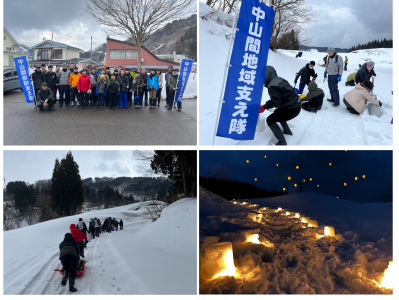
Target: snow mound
x=292, y=259
x=144, y=258
x=329, y=126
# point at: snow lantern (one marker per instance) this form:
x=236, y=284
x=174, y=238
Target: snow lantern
x=252, y=216
x=245, y=203
x=289, y=178
x=256, y=204
x=219, y=260
x=329, y=231
x=344, y=183
x=364, y=176
x=265, y=156
x=256, y=179
x=276, y=165
x=355, y=178
x=264, y=208
x=330, y=164
x=374, y=110
x=247, y=161
x=259, y=215
x=304, y=180
x=310, y=179
x=297, y=215
x=279, y=209
x=283, y=189
x=287, y=213
x=312, y=223
x=389, y=277
x=305, y=220
x=295, y=185
x=297, y=167
x=318, y=185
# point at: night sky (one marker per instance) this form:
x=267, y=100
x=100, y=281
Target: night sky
x=345, y=166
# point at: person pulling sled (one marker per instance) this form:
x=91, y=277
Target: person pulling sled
x=69, y=257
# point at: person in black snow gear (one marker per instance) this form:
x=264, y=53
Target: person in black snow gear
x=285, y=99
x=69, y=257
x=305, y=74
x=98, y=229
x=365, y=72
x=92, y=230
x=116, y=225
x=38, y=78
x=314, y=98
x=113, y=224
x=121, y=224
x=109, y=226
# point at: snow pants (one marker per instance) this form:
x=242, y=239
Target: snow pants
x=69, y=262
x=302, y=86
x=159, y=93
x=93, y=95
x=84, y=99
x=122, y=99
x=282, y=115
x=350, y=108
x=112, y=99
x=333, y=86
x=98, y=231
x=171, y=97
x=81, y=246
x=351, y=83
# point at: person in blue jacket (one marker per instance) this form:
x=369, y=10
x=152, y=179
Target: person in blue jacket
x=152, y=86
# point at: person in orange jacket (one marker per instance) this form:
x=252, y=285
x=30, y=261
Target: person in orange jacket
x=73, y=82
x=84, y=89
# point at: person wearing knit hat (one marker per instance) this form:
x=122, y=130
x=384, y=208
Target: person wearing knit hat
x=305, y=74
x=365, y=72
x=334, y=70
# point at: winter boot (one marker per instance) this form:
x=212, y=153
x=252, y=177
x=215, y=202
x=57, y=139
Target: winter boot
x=330, y=100
x=286, y=129
x=65, y=278
x=71, y=285
x=278, y=134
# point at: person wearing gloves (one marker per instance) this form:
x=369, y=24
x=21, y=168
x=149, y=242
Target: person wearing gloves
x=93, y=95
x=63, y=84
x=159, y=92
x=69, y=257
x=152, y=86
x=305, y=74
x=334, y=70
x=314, y=98
x=286, y=101
x=356, y=99
x=45, y=97
x=365, y=72
x=73, y=82
x=84, y=89
x=79, y=236
x=101, y=87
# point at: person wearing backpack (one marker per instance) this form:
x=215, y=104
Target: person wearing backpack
x=82, y=226
x=305, y=74
x=334, y=70
x=69, y=257
x=92, y=229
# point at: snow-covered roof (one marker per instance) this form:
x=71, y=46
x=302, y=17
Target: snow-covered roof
x=56, y=43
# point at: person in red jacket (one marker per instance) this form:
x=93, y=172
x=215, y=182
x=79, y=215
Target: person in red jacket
x=84, y=88
x=79, y=236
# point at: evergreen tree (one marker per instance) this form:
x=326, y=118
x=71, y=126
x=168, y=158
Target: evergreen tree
x=67, y=192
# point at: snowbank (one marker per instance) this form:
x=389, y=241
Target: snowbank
x=294, y=259
x=329, y=126
x=144, y=258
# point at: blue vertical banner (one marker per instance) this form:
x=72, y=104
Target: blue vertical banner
x=23, y=74
x=246, y=74
x=185, y=70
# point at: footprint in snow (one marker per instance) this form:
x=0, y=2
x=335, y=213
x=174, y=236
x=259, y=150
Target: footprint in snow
x=113, y=278
x=119, y=289
x=113, y=285
x=101, y=274
x=103, y=270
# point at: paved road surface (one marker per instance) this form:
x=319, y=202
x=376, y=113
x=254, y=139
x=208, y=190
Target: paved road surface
x=25, y=125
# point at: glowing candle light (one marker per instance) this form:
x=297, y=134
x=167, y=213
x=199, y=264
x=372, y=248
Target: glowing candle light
x=329, y=231
x=219, y=260
x=305, y=220
x=330, y=164
x=295, y=185
x=247, y=161
x=289, y=178
x=312, y=223
x=318, y=185
x=304, y=180
x=364, y=176
x=355, y=178
x=389, y=277
x=283, y=189
x=344, y=183
x=279, y=209
x=310, y=179
x=297, y=167
x=297, y=215
x=256, y=179
x=265, y=156
x=276, y=165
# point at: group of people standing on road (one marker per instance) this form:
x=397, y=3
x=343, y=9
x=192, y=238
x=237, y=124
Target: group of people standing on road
x=72, y=247
x=121, y=88
x=288, y=101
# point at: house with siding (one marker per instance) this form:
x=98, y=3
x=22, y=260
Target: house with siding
x=121, y=53
x=60, y=53
x=10, y=48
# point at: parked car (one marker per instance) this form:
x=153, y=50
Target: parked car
x=10, y=79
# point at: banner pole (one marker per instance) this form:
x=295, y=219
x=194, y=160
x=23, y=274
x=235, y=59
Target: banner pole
x=233, y=29
x=177, y=85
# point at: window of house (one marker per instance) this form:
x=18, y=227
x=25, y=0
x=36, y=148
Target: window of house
x=4, y=37
x=131, y=54
x=8, y=48
x=56, y=54
x=117, y=54
x=42, y=54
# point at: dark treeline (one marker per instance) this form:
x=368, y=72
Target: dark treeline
x=187, y=44
x=289, y=41
x=373, y=44
x=235, y=189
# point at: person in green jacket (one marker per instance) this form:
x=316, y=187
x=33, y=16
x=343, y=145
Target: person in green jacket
x=172, y=84
x=350, y=81
x=346, y=64
x=103, y=73
x=314, y=98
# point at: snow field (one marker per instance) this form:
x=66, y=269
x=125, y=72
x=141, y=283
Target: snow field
x=143, y=258
x=299, y=262
x=329, y=126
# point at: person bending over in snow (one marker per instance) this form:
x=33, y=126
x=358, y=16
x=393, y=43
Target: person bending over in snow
x=121, y=224
x=334, y=70
x=305, y=74
x=365, y=72
x=69, y=257
x=356, y=99
x=285, y=99
x=79, y=236
x=314, y=98
x=351, y=79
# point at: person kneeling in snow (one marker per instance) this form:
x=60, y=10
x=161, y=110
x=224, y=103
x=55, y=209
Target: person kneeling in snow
x=69, y=257
x=356, y=99
x=286, y=101
x=305, y=74
x=365, y=72
x=45, y=97
x=79, y=236
x=351, y=79
x=314, y=98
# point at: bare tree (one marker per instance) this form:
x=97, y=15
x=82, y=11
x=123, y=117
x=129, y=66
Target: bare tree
x=154, y=210
x=137, y=19
x=144, y=158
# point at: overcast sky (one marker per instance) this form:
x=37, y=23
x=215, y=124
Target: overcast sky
x=346, y=165
x=29, y=21
x=33, y=165
x=344, y=23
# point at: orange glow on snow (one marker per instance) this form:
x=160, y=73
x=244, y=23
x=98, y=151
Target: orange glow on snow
x=254, y=238
x=297, y=215
x=230, y=269
x=287, y=213
x=329, y=231
x=279, y=209
x=389, y=277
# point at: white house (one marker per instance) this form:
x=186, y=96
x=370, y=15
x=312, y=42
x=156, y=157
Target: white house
x=10, y=48
x=60, y=53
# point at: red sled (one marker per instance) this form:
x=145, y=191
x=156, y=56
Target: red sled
x=79, y=271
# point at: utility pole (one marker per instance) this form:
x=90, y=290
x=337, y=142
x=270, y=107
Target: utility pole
x=91, y=48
